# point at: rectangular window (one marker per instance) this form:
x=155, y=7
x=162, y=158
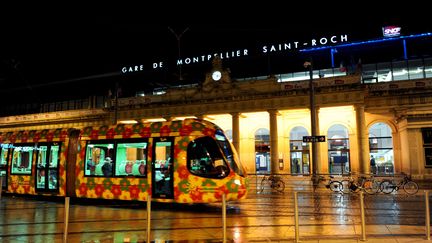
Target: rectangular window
x=99, y=158
x=22, y=159
x=131, y=159
x=126, y=157
x=427, y=145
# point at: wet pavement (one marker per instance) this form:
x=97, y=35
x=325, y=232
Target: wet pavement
x=262, y=217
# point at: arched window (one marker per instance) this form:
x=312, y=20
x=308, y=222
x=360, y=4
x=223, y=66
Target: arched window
x=381, y=148
x=299, y=151
x=262, y=150
x=338, y=150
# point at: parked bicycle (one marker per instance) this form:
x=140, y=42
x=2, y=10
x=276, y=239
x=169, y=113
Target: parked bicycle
x=368, y=185
x=275, y=182
x=332, y=184
x=410, y=187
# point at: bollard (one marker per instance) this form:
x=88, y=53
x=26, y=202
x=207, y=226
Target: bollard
x=224, y=217
x=66, y=219
x=1, y=185
x=363, y=224
x=296, y=219
x=148, y=217
x=427, y=223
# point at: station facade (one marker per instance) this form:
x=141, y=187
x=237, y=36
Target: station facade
x=269, y=118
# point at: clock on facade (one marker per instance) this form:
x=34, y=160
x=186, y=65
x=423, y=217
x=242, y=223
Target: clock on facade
x=216, y=75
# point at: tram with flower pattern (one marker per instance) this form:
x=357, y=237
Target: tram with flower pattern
x=182, y=161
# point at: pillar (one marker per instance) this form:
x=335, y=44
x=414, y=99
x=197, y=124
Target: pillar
x=236, y=131
x=362, y=139
x=274, y=155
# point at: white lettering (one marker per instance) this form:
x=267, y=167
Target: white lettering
x=344, y=38
x=187, y=60
x=245, y=52
x=296, y=44
x=124, y=69
x=195, y=59
x=264, y=49
x=313, y=42
x=323, y=41
x=179, y=62
x=333, y=39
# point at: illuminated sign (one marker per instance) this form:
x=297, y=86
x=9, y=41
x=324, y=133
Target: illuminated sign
x=265, y=49
x=391, y=31
x=313, y=139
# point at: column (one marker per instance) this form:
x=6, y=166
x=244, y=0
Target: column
x=274, y=155
x=316, y=165
x=236, y=131
x=362, y=139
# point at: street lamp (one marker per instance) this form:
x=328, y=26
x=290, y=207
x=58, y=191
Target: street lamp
x=178, y=37
x=309, y=64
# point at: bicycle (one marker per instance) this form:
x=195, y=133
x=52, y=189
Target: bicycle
x=368, y=185
x=409, y=186
x=333, y=185
x=276, y=183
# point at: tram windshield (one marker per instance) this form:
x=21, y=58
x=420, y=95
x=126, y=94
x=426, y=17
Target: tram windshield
x=212, y=158
x=229, y=153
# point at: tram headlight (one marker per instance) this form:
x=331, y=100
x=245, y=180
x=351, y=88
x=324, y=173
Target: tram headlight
x=237, y=182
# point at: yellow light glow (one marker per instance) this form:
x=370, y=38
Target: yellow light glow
x=128, y=122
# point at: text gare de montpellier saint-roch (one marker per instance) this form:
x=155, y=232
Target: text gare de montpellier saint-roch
x=266, y=49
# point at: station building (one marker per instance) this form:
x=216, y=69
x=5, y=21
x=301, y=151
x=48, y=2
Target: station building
x=381, y=110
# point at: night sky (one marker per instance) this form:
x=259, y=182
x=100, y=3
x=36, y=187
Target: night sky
x=53, y=58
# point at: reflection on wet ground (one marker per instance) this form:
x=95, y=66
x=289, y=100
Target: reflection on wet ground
x=262, y=217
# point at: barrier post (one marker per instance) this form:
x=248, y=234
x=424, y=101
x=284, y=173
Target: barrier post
x=427, y=220
x=148, y=217
x=1, y=185
x=296, y=219
x=224, y=217
x=363, y=224
x=66, y=219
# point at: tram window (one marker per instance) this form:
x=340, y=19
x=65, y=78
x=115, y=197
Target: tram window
x=22, y=159
x=4, y=154
x=231, y=157
x=131, y=158
x=205, y=158
x=97, y=154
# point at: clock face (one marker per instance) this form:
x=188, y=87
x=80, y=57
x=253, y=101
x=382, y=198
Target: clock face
x=216, y=75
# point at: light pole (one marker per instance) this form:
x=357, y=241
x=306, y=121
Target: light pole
x=178, y=37
x=309, y=64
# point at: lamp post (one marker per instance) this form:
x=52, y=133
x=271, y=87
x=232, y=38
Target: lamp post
x=309, y=64
x=178, y=37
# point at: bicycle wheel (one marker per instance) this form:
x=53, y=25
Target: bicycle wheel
x=371, y=186
x=345, y=186
x=387, y=186
x=262, y=185
x=279, y=186
x=410, y=187
x=336, y=186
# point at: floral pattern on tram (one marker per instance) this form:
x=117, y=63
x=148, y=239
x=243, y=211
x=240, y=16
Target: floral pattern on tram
x=188, y=188
x=25, y=183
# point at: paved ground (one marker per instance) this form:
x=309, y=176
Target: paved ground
x=263, y=217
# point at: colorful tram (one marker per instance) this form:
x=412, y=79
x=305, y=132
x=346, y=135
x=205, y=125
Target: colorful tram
x=182, y=161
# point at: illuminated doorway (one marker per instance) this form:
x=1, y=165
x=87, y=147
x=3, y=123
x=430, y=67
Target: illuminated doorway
x=299, y=151
x=381, y=148
x=262, y=150
x=338, y=150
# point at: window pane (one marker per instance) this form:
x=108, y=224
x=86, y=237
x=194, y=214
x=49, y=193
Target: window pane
x=131, y=159
x=97, y=155
x=22, y=159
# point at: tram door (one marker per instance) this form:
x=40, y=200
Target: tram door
x=3, y=166
x=162, y=168
x=47, y=167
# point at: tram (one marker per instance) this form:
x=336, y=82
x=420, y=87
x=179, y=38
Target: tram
x=182, y=161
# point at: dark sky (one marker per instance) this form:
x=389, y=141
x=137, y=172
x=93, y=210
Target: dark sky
x=56, y=57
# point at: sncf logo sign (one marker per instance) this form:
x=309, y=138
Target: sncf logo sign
x=390, y=31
